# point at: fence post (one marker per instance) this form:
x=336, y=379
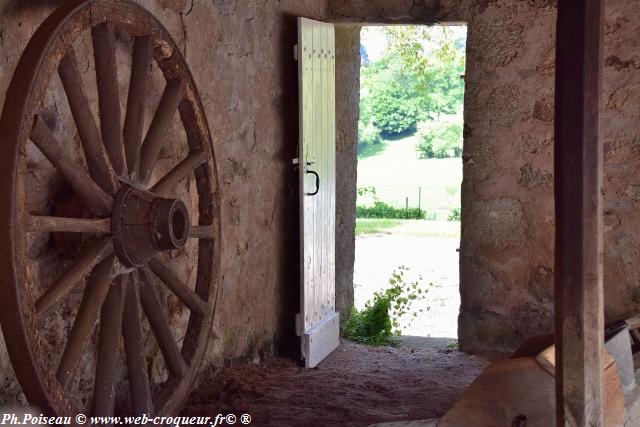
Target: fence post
x=406, y=208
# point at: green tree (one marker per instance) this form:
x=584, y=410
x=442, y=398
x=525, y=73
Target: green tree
x=389, y=99
x=394, y=109
x=417, y=79
x=368, y=134
x=440, y=140
x=435, y=56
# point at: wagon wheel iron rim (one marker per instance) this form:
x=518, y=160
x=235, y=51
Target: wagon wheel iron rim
x=133, y=221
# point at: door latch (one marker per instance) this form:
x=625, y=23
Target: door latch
x=314, y=173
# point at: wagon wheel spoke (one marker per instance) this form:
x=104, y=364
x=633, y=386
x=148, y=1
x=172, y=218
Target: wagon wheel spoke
x=94, y=294
x=135, y=355
x=104, y=51
x=90, y=256
x=134, y=119
x=51, y=224
x=85, y=122
x=181, y=171
x=156, y=135
x=178, y=287
x=95, y=198
x=108, y=350
x=160, y=326
x=202, y=232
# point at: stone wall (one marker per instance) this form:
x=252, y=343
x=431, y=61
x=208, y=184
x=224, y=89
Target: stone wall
x=347, y=103
x=240, y=53
x=506, y=256
x=241, y=56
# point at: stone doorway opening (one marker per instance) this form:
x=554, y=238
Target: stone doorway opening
x=409, y=176
x=358, y=384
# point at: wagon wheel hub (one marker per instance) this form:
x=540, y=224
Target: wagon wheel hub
x=144, y=225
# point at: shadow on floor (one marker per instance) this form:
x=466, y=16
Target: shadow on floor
x=356, y=385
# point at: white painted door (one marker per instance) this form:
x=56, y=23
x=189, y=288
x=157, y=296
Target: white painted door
x=318, y=323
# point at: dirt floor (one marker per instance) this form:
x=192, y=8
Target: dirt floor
x=355, y=386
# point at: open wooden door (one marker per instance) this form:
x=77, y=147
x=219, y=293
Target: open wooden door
x=318, y=323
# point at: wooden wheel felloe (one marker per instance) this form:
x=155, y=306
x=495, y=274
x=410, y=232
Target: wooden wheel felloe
x=110, y=227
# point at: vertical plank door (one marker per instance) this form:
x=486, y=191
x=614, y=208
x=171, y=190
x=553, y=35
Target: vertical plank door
x=318, y=323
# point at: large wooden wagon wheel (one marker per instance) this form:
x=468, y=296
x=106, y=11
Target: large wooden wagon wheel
x=109, y=228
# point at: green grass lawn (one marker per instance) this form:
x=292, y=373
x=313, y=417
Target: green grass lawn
x=395, y=171
x=408, y=227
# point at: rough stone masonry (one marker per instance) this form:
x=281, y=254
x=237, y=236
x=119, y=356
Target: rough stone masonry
x=506, y=253
x=240, y=53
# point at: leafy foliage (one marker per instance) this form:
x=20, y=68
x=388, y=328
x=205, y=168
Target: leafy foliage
x=364, y=191
x=378, y=321
x=368, y=134
x=372, y=325
x=417, y=78
x=375, y=208
x=435, y=56
x=454, y=215
x=394, y=109
x=389, y=99
x=381, y=209
x=442, y=140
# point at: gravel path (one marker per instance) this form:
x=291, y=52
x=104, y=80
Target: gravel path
x=435, y=259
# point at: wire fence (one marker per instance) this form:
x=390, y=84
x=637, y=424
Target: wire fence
x=429, y=202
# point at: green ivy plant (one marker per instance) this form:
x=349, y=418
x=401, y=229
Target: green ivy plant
x=379, y=320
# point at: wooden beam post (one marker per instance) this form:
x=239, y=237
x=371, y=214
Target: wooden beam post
x=579, y=311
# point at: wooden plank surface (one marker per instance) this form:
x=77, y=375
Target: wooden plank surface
x=614, y=410
x=331, y=173
x=322, y=339
x=547, y=359
x=315, y=145
x=323, y=196
x=316, y=68
x=305, y=85
x=579, y=312
x=504, y=391
x=522, y=389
